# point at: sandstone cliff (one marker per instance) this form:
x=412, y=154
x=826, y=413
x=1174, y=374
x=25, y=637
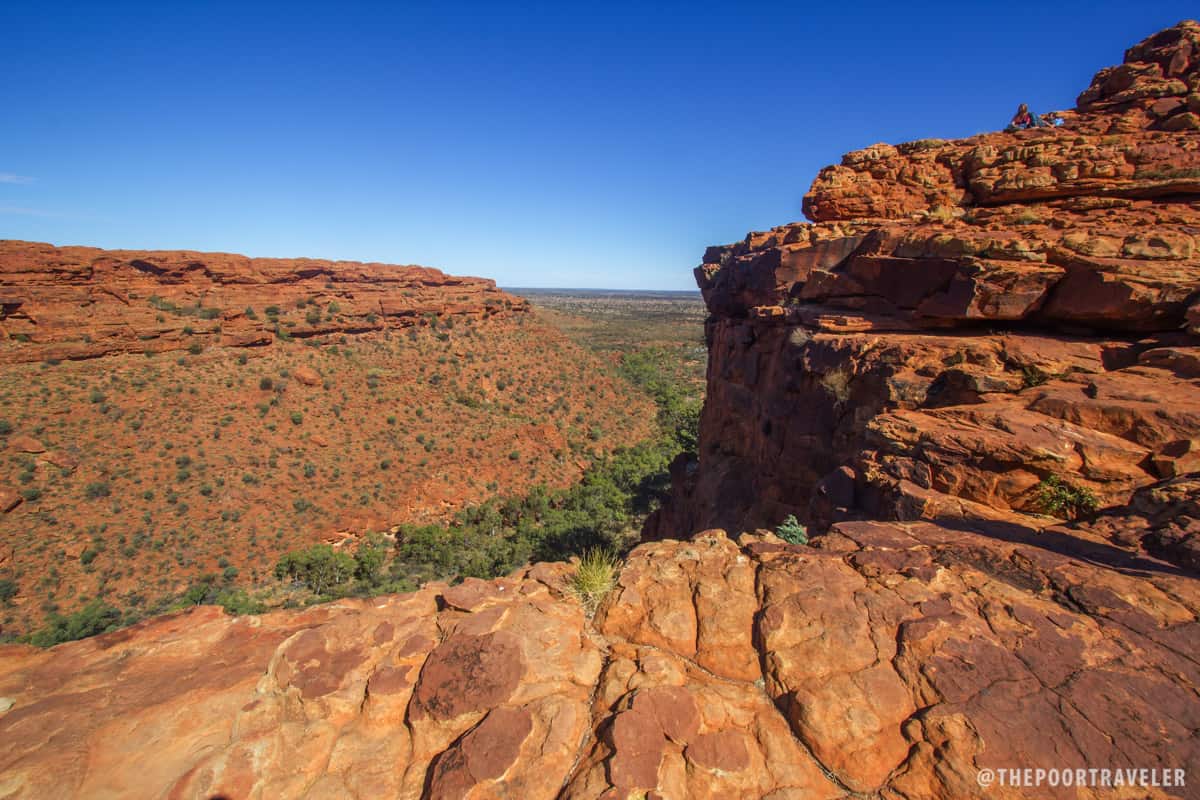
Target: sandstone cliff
x=964, y=321
x=81, y=302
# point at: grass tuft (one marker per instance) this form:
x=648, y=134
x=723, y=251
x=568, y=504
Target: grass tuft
x=595, y=577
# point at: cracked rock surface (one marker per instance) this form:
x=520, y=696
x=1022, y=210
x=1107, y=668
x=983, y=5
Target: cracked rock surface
x=889, y=659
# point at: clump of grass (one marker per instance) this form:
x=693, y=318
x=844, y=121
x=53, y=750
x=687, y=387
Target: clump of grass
x=791, y=531
x=1032, y=376
x=595, y=577
x=1062, y=499
x=837, y=383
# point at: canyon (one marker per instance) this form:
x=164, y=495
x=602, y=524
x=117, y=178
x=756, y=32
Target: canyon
x=974, y=375
x=174, y=420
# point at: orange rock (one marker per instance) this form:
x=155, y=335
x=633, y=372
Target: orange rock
x=10, y=498
x=307, y=375
x=25, y=444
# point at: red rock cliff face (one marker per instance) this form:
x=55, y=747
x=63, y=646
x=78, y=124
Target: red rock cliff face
x=81, y=302
x=965, y=319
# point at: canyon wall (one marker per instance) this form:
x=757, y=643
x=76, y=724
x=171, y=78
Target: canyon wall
x=82, y=302
x=965, y=320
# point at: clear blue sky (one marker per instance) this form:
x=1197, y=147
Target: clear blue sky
x=553, y=144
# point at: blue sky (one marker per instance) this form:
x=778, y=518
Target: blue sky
x=541, y=144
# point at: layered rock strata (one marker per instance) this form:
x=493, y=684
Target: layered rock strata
x=966, y=320
x=82, y=302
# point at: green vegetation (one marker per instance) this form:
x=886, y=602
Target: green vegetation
x=791, y=531
x=320, y=568
x=184, y=311
x=601, y=514
x=1061, y=499
x=1032, y=376
x=327, y=572
x=595, y=577
x=94, y=618
x=97, y=489
x=603, y=511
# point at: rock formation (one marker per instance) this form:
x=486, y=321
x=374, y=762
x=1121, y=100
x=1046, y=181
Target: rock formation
x=965, y=326
x=892, y=660
x=81, y=302
x=966, y=320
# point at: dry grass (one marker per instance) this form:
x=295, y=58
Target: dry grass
x=595, y=577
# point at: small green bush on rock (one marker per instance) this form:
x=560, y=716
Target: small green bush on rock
x=791, y=531
x=1061, y=499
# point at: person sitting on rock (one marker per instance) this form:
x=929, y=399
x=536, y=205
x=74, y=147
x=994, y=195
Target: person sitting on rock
x=1054, y=119
x=1021, y=120
x=1025, y=119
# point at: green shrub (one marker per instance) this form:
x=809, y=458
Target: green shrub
x=369, y=558
x=1058, y=498
x=6, y=427
x=319, y=568
x=265, y=383
x=297, y=418
x=238, y=603
x=8, y=589
x=94, y=618
x=1032, y=376
x=791, y=531
x=97, y=489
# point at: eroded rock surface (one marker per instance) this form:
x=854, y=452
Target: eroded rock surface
x=889, y=660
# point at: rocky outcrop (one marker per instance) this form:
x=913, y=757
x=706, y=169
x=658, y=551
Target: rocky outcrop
x=892, y=660
x=81, y=302
x=965, y=321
